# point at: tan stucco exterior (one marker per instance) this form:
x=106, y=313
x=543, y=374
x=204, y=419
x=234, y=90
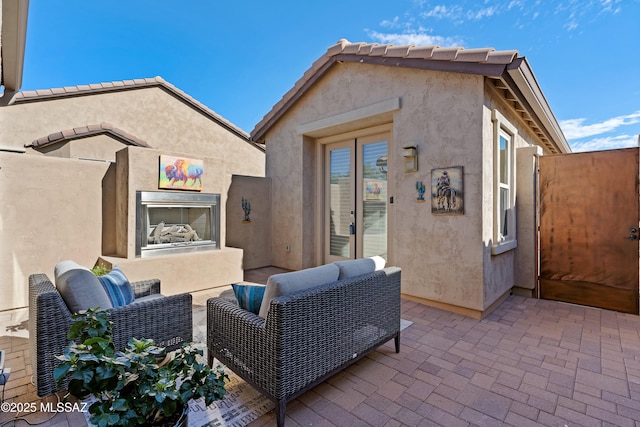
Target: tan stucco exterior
x=253, y=236
x=70, y=200
x=446, y=260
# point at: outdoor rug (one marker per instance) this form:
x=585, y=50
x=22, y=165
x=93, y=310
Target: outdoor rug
x=241, y=405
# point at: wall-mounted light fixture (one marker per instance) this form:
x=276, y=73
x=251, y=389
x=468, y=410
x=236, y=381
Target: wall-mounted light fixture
x=410, y=155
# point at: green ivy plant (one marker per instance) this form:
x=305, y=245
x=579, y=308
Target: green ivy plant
x=100, y=270
x=130, y=386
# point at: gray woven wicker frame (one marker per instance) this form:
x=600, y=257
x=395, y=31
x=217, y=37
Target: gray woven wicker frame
x=167, y=320
x=308, y=336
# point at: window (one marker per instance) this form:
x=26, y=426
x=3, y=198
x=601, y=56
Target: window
x=504, y=235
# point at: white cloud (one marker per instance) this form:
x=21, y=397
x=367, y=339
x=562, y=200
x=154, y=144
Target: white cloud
x=458, y=14
x=482, y=13
x=576, y=129
x=606, y=143
x=442, y=11
x=418, y=38
x=394, y=23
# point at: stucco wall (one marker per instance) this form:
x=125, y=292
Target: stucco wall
x=253, y=237
x=448, y=116
x=151, y=114
x=43, y=220
x=137, y=170
x=500, y=271
x=441, y=256
x=56, y=208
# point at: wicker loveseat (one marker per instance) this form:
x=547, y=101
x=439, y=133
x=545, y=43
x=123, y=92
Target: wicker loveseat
x=308, y=335
x=165, y=319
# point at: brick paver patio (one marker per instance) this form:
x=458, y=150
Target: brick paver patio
x=530, y=363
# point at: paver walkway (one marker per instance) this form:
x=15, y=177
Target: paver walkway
x=530, y=363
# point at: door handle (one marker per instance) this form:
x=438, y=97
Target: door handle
x=352, y=229
x=632, y=237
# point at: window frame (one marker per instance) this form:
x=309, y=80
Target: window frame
x=503, y=129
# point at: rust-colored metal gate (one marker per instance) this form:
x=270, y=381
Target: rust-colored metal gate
x=589, y=229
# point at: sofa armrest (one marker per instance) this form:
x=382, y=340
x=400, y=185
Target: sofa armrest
x=238, y=339
x=49, y=323
x=144, y=288
x=168, y=320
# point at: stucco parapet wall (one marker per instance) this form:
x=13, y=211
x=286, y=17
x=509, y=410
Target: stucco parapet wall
x=86, y=131
x=134, y=84
x=498, y=65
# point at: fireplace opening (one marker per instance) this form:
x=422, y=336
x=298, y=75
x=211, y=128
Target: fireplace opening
x=169, y=222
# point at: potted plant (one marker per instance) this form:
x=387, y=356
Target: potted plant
x=131, y=387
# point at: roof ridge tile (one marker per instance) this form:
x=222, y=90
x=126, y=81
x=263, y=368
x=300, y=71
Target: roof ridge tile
x=379, y=50
x=337, y=48
x=421, y=52
x=474, y=55
x=502, y=56
x=446, y=53
x=398, y=51
x=366, y=48
x=352, y=48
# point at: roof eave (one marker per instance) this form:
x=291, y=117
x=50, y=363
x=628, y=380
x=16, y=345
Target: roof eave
x=14, y=39
x=519, y=76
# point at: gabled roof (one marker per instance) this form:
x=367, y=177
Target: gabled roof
x=106, y=87
x=509, y=73
x=87, y=131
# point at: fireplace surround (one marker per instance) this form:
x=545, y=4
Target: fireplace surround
x=176, y=222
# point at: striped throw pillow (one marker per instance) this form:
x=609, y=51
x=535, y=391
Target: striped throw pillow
x=249, y=296
x=117, y=286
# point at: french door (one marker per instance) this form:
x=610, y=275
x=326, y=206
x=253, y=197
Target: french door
x=356, y=198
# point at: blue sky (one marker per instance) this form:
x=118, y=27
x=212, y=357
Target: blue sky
x=239, y=58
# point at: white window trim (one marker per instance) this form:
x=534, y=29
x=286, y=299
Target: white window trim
x=502, y=126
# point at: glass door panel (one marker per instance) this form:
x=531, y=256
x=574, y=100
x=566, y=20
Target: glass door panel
x=372, y=230
x=356, y=198
x=339, y=196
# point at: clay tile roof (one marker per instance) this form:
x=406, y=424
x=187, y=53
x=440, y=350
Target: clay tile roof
x=446, y=53
x=379, y=50
x=398, y=51
x=502, y=57
x=86, y=131
x=352, y=48
x=506, y=66
x=473, y=55
x=344, y=50
x=105, y=87
x=421, y=52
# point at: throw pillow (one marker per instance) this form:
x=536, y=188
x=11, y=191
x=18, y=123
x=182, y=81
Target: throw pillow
x=249, y=296
x=286, y=283
x=117, y=287
x=79, y=287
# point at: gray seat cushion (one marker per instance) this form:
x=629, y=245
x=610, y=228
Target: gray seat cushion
x=80, y=288
x=285, y=283
x=358, y=267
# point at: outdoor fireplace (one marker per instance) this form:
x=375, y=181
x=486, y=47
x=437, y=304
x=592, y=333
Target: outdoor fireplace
x=172, y=222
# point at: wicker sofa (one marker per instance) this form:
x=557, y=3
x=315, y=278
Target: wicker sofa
x=307, y=335
x=165, y=319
